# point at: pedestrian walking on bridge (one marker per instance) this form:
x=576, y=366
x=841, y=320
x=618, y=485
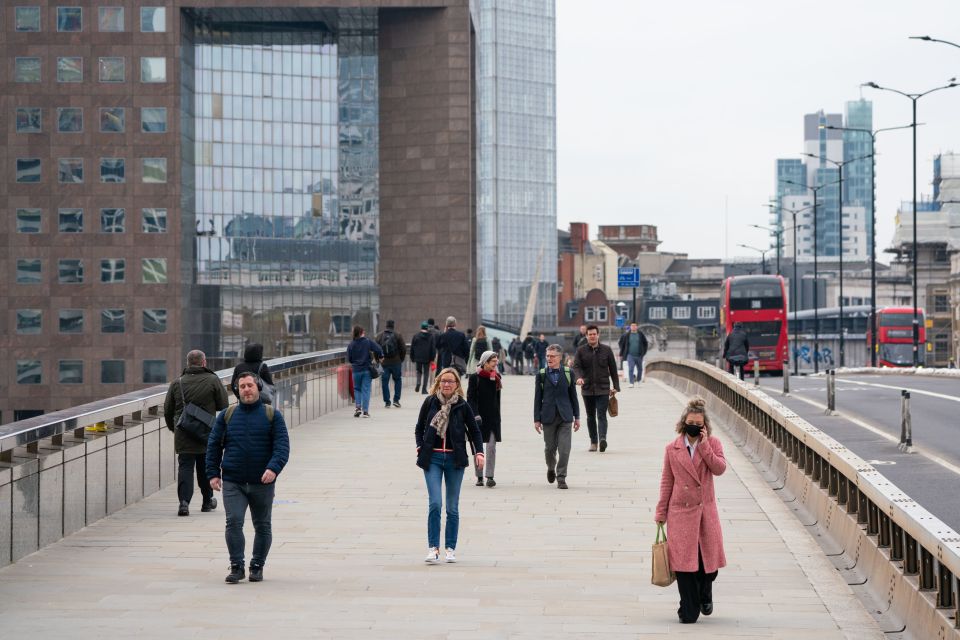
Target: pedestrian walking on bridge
x=483, y=394
x=555, y=410
x=599, y=380
x=688, y=506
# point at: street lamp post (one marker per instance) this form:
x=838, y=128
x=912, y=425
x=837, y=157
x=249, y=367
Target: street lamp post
x=816, y=273
x=795, y=286
x=929, y=39
x=776, y=233
x=840, y=165
x=763, y=256
x=913, y=97
x=873, y=230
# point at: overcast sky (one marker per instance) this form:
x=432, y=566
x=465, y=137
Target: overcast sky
x=673, y=113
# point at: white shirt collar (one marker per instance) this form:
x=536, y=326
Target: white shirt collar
x=691, y=447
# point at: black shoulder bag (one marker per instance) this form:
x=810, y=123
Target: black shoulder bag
x=194, y=420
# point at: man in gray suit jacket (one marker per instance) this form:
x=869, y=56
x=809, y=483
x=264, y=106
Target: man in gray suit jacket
x=555, y=409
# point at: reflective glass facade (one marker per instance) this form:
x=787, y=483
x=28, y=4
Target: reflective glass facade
x=516, y=143
x=280, y=182
x=857, y=182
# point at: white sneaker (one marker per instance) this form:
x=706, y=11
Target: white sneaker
x=451, y=555
x=433, y=555
x=631, y=385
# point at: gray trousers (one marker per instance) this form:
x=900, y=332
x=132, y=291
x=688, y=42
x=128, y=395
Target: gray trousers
x=489, y=457
x=556, y=440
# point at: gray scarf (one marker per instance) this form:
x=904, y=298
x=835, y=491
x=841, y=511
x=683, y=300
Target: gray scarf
x=442, y=417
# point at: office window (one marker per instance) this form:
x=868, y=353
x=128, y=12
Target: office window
x=70, y=69
x=111, y=371
x=27, y=19
x=70, y=271
x=29, y=119
x=154, y=320
x=29, y=372
x=112, y=69
x=154, y=170
x=153, y=119
x=681, y=313
x=658, y=313
x=153, y=69
x=70, y=119
x=112, y=119
x=154, y=270
x=111, y=19
x=706, y=313
x=112, y=220
x=69, y=19
x=70, y=220
x=112, y=170
x=70, y=170
x=29, y=321
x=154, y=220
x=71, y=321
x=589, y=314
x=601, y=314
x=71, y=371
x=113, y=321
x=153, y=19
x=26, y=70
x=113, y=270
x=155, y=371
x=28, y=220
x=941, y=303
x=28, y=271
x=28, y=170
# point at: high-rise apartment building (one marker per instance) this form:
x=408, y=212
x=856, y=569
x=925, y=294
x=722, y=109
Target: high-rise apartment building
x=180, y=175
x=516, y=142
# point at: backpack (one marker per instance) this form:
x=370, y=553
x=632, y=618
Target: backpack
x=229, y=414
x=566, y=371
x=388, y=342
x=529, y=351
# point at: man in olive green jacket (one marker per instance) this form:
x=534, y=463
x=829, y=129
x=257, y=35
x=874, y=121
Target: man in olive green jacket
x=200, y=386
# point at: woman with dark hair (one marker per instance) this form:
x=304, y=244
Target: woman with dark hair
x=688, y=506
x=360, y=354
x=445, y=422
x=483, y=394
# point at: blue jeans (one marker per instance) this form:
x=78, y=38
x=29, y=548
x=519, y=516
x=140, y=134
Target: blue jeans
x=635, y=362
x=237, y=496
x=361, y=388
x=391, y=371
x=443, y=470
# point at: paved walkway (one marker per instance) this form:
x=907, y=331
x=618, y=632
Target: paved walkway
x=350, y=534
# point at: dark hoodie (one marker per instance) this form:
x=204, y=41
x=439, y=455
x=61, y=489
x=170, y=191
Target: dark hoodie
x=252, y=359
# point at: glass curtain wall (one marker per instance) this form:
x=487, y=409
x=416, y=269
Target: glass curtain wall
x=516, y=142
x=281, y=204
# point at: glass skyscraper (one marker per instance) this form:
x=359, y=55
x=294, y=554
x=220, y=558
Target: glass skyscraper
x=516, y=144
x=857, y=183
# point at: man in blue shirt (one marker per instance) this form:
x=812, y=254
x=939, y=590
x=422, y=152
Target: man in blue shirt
x=555, y=410
x=633, y=346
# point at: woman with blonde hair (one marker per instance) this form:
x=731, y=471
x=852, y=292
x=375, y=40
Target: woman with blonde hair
x=688, y=506
x=478, y=345
x=445, y=422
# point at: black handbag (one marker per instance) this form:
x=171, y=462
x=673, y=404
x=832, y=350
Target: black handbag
x=194, y=421
x=374, y=369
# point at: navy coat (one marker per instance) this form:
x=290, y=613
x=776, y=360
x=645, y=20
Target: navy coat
x=248, y=446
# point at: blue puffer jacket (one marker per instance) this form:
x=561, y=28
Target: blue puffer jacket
x=243, y=450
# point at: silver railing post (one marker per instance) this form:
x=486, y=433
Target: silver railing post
x=786, y=378
x=756, y=373
x=831, y=390
x=906, y=424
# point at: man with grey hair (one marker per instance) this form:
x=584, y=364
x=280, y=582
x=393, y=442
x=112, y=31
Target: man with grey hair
x=452, y=348
x=555, y=410
x=200, y=386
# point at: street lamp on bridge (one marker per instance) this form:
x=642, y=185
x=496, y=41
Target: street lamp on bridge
x=793, y=281
x=913, y=97
x=763, y=256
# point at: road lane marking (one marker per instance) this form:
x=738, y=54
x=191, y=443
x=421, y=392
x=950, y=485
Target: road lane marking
x=932, y=394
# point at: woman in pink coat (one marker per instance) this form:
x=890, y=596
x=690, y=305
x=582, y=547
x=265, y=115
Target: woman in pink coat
x=688, y=505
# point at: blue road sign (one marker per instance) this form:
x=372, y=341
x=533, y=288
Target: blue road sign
x=620, y=320
x=628, y=277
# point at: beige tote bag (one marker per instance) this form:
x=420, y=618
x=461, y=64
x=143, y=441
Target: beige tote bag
x=662, y=575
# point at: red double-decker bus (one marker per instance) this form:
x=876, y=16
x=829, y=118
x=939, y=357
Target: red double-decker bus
x=760, y=303
x=895, y=336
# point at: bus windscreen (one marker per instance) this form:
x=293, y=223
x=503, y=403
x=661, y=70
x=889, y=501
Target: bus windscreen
x=762, y=334
x=755, y=295
x=896, y=319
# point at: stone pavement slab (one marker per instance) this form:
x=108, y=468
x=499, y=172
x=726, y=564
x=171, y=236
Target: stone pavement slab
x=350, y=534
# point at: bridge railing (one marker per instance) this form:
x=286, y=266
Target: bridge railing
x=910, y=558
x=64, y=470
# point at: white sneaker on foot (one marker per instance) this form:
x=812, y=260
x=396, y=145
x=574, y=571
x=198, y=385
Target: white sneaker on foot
x=451, y=555
x=631, y=385
x=433, y=555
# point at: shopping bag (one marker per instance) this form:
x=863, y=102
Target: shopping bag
x=613, y=407
x=662, y=575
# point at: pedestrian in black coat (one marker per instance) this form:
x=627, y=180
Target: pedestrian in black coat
x=483, y=394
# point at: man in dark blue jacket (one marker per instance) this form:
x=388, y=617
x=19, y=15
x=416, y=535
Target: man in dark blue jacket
x=452, y=344
x=555, y=409
x=247, y=450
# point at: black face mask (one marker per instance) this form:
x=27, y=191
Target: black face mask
x=692, y=430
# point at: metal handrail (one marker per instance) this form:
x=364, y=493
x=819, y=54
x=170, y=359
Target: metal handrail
x=26, y=432
x=916, y=536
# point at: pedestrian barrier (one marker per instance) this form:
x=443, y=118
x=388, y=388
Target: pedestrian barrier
x=62, y=471
x=907, y=559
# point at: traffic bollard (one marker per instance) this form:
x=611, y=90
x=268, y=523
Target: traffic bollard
x=756, y=373
x=786, y=378
x=831, y=391
x=906, y=425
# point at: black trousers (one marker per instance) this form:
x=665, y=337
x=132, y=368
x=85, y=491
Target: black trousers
x=188, y=465
x=696, y=588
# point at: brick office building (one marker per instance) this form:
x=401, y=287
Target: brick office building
x=203, y=175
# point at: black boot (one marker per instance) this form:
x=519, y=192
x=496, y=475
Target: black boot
x=209, y=505
x=184, y=509
x=256, y=572
x=236, y=574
